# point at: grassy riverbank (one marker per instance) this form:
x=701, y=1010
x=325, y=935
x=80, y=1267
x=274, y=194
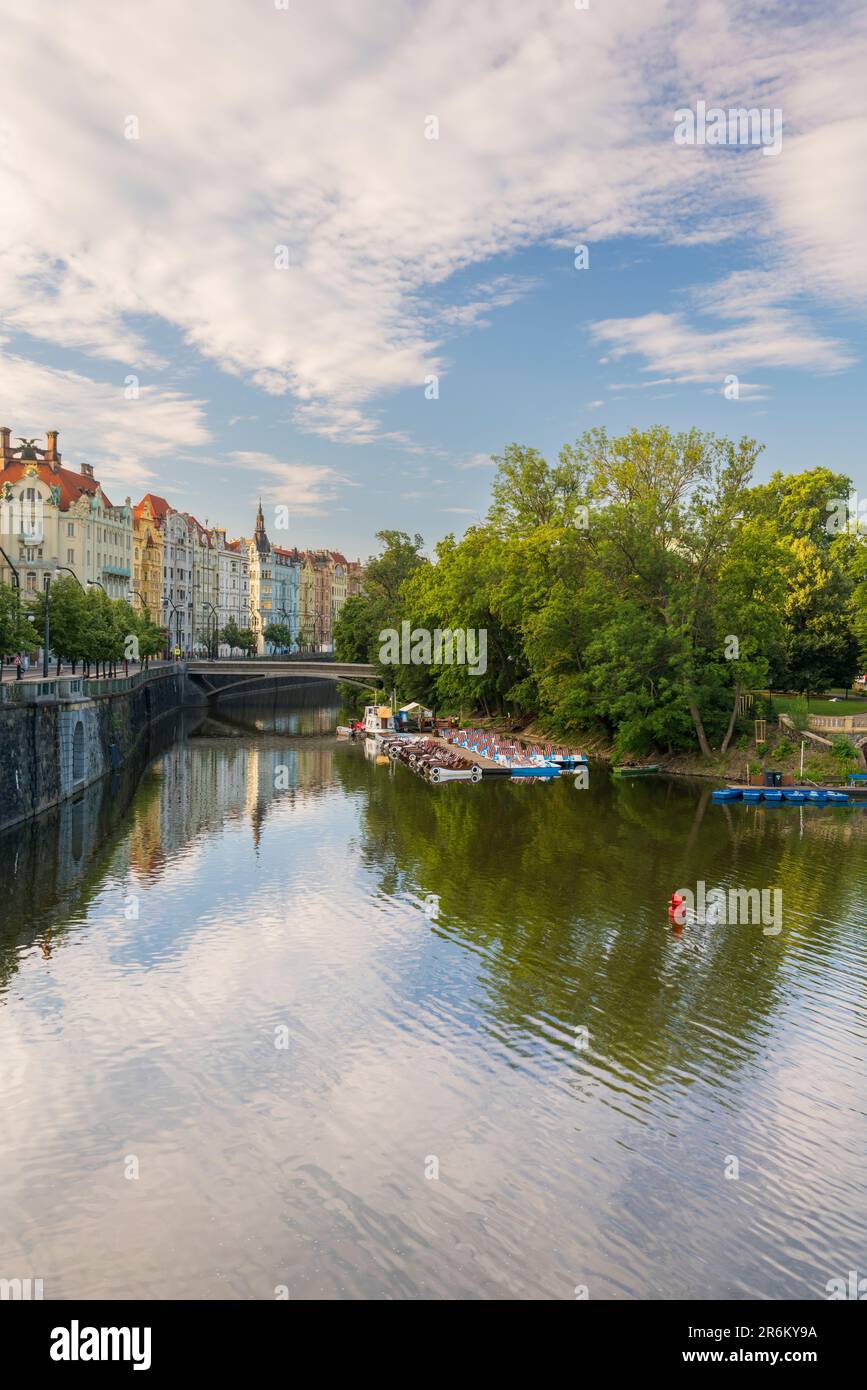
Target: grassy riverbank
x=781, y=752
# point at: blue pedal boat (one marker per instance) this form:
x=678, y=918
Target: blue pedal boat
x=838, y=798
x=770, y=794
x=794, y=794
x=726, y=794
x=817, y=794
x=752, y=794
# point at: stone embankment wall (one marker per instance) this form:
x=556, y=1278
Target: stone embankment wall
x=51, y=750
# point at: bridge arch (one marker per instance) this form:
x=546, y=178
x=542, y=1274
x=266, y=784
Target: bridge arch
x=358, y=674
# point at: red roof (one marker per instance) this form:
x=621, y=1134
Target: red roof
x=72, y=485
x=159, y=507
x=203, y=532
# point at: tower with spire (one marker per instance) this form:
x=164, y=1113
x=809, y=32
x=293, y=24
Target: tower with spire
x=260, y=538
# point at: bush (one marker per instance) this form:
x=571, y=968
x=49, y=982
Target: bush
x=842, y=749
x=821, y=769
x=761, y=749
x=800, y=715
x=784, y=748
x=743, y=742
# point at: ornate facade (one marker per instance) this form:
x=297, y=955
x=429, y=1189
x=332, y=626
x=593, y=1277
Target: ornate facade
x=54, y=520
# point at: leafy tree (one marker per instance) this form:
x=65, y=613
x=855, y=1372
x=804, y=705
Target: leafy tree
x=640, y=587
x=380, y=605
x=822, y=565
x=233, y=636
x=16, y=633
x=278, y=635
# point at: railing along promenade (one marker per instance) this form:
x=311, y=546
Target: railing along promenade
x=246, y=669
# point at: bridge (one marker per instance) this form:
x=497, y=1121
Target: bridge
x=248, y=672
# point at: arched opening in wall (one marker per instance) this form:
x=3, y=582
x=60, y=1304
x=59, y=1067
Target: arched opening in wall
x=78, y=752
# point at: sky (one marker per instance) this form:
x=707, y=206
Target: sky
x=324, y=251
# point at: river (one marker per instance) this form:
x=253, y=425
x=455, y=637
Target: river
x=278, y=1020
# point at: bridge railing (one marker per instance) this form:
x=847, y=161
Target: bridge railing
x=81, y=687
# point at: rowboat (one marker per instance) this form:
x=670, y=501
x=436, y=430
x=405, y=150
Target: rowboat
x=727, y=794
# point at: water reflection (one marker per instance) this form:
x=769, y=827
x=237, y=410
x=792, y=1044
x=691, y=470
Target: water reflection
x=481, y=976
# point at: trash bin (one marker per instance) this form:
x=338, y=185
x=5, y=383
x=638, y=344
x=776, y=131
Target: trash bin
x=773, y=779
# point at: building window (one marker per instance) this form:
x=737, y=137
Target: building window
x=70, y=528
x=70, y=557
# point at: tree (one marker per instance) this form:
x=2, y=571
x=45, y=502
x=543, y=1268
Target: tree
x=233, y=636
x=819, y=644
x=278, y=635
x=380, y=604
x=16, y=632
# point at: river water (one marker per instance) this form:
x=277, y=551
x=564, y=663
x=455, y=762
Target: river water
x=276, y=1018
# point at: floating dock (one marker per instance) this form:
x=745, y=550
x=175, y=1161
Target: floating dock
x=471, y=756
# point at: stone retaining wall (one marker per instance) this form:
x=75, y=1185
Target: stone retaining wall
x=51, y=751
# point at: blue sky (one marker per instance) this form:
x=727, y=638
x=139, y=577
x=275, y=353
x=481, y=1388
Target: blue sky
x=144, y=205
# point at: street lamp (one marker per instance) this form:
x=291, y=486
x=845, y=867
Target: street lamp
x=74, y=575
x=289, y=622
x=93, y=581
x=178, y=614
x=47, y=631
x=212, y=643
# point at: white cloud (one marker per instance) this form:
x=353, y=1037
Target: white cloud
x=121, y=438
x=305, y=128
x=757, y=331
x=305, y=488
x=477, y=461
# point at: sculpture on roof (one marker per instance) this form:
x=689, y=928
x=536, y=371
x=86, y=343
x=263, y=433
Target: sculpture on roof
x=28, y=450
